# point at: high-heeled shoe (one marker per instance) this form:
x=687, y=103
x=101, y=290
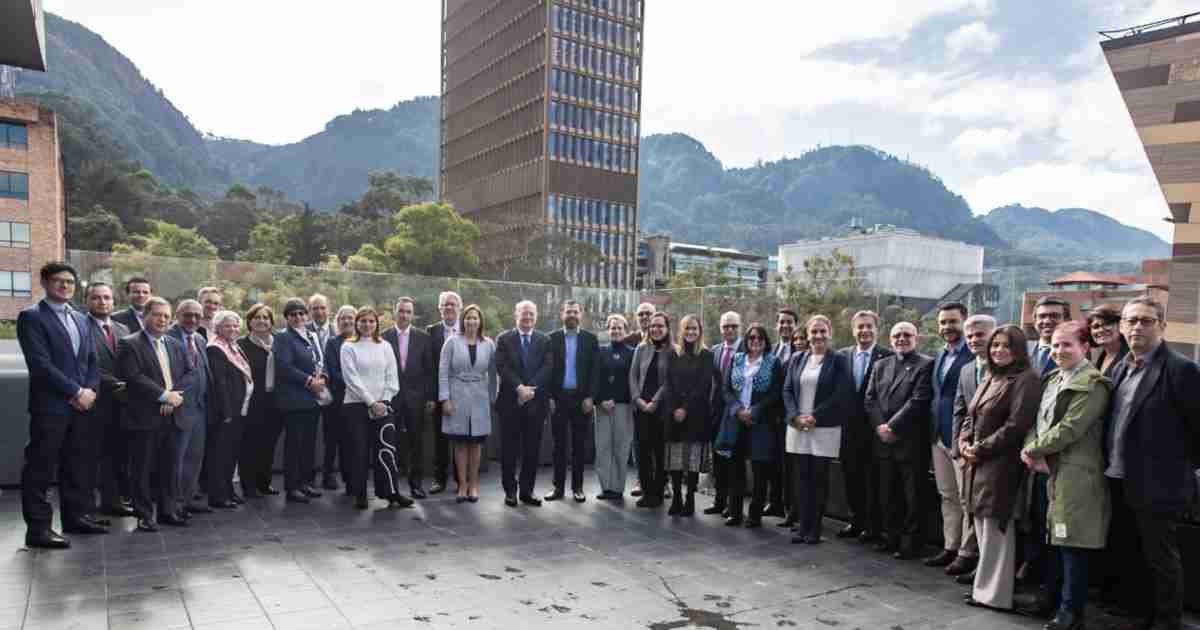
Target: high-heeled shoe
x=460, y=499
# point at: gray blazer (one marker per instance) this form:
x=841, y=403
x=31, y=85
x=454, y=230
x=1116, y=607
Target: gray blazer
x=471, y=387
x=962, y=401
x=641, y=363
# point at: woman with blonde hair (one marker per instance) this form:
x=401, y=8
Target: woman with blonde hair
x=467, y=391
x=614, y=414
x=647, y=386
x=690, y=379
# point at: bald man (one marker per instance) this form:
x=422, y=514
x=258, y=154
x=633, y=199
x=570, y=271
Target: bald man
x=898, y=406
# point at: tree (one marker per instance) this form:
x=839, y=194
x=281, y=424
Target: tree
x=97, y=230
x=388, y=192
x=228, y=222
x=429, y=239
x=268, y=244
x=166, y=239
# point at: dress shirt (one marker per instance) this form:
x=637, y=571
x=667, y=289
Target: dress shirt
x=451, y=328
x=861, y=359
x=727, y=356
x=947, y=358
x=369, y=369
x=402, y=343
x=1122, y=413
x=571, y=341
x=61, y=311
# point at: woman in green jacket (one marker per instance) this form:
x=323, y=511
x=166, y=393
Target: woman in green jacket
x=1065, y=443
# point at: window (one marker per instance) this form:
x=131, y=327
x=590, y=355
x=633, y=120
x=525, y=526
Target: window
x=14, y=235
x=14, y=135
x=16, y=284
x=14, y=185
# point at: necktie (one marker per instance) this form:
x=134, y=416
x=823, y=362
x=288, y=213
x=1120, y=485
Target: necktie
x=727, y=359
x=191, y=348
x=315, y=349
x=525, y=348
x=164, y=363
x=860, y=368
x=68, y=322
x=108, y=336
x=402, y=339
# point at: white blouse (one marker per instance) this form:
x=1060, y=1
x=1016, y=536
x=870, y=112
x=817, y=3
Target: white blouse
x=369, y=369
x=749, y=372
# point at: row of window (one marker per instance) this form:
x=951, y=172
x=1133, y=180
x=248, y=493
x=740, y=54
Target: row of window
x=624, y=9
x=596, y=29
x=595, y=91
x=14, y=135
x=593, y=153
x=594, y=212
x=14, y=185
x=14, y=234
x=611, y=245
x=604, y=275
x=594, y=122
x=16, y=284
x=610, y=65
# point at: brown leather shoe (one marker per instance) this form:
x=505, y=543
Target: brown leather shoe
x=961, y=565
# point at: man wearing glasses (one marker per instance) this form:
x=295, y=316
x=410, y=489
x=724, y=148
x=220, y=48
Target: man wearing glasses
x=644, y=311
x=1148, y=441
x=731, y=344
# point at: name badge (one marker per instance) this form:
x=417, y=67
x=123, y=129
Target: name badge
x=611, y=379
x=616, y=356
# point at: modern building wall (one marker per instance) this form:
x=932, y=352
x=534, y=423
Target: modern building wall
x=1158, y=74
x=32, y=216
x=541, y=102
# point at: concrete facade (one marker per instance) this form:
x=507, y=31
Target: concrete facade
x=42, y=212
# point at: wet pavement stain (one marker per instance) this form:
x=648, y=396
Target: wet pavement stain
x=488, y=576
x=828, y=622
x=600, y=584
x=785, y=623
x=696, y=618
x=512, y=570
x=346, y=548
x=554, y=607
x=431, y=576
x=423, y=619
x=526, y=602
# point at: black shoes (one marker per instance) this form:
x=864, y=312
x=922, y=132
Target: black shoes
x=752, y=523
x=733, y=521
x=329, y=481
x=174, y=520
x=400, y=501
x=554, y=495
x=808, y=540
x=310, y=492
x=689, y=505
x=787, y=522
x=360, y=503
x=417, y=492
x=715, y=508
x=510, y=501
x=46, y=539
x=578, y=496
x=84, y=525
x=850, y=531
x=943, y=558
x=676, y=505
x=531, y=500
x=437, y=487
x=966, y=579
x=774, y=509
x=268, y=490
x=648, y=501
x=296, y=496
x=228, y=504
x=904, y=553
x=147, y=525
x=961, y=566
x=1039, y=606
x=609, y=495
x=118, y=511
x=1065, y=620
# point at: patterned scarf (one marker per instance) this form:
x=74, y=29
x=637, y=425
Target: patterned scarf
x=234, y=354
x=762, y=378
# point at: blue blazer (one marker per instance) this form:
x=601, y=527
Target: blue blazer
x=944, y=392
x=294, y=365
x=195, y=396
x=834, y=399
x=56, y=371
x=537, y=371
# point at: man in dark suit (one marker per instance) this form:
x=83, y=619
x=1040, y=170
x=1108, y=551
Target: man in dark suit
x=332, y=431
x=959, y=549
x=414, y=366
x=157, y=374
x=573, y=353
x=897, y=404
x=977, y=330
x=731, y=344
x=643, y=313
x=779, y=496
x=1150, y=438
x=524, y=362
x=63, y=379
x=137, y=293
x=449, y=304
x=108, y=439
x=1048, y=313
x=193, y=418
x=859, y=474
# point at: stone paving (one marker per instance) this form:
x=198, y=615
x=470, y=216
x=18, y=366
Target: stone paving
x=594, y=565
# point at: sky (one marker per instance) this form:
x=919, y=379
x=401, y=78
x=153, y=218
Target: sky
x=1008, y=101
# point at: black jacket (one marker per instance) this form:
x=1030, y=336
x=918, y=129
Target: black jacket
x=229, y=387
x=1160, y=440
x=690, y=384
x=416, y=385
x=586, y=347
x=513, y=371
x=137, y=364
x=898, y=394
x=856, y=420
x=610, y=373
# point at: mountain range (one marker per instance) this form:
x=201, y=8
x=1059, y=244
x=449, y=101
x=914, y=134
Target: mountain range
x=109, y=111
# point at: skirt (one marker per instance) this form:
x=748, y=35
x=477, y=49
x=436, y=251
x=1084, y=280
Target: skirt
x=689, y=457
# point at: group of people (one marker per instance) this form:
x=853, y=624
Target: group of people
x=1044, y=450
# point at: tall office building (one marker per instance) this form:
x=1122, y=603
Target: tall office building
x=541, y=101
x=1157, y=70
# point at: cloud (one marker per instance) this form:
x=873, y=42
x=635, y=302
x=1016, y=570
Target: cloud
x=974, y=38
x=1000, y=142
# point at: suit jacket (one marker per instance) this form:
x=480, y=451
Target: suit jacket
x=610, y=373
x=898, y=395
x=228, y=386
x=1161, y=437
x=963, y=398
x=944, y=392
x=721, y=376
x=586, y=347
x=513, y=371
x=437, y=339
x=107, y=403
x=56, y=371
x=195, y=398
x=857, y=419
x=416, y=384
x=471, y=385
x=835, y=396
x=294, y=364
x=323, y=333
x=1046, y=366
x=137, y=363
x=998, y=420
x=129, y=319
x=764, y=443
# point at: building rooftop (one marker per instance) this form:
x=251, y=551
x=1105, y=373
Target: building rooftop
x=1116, y=39
x=1087, y=277
x=726, y=251
x=22, y=34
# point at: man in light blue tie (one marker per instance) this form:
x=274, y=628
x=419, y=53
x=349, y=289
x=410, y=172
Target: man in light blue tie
x=1048, y=313
x=857, y=458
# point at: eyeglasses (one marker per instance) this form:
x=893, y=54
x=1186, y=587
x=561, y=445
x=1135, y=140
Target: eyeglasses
x=1102, y=325
x=1144, y=321
x=730, y=326
x=902, y=335
x=296, y=313
x=644, y=314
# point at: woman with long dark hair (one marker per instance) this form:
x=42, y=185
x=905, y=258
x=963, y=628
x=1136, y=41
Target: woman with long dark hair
x=689, y=412
x=753, y=389
x=648, y=384
x=264, y=420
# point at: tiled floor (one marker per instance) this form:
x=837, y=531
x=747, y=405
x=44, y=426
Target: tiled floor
x=442, y=565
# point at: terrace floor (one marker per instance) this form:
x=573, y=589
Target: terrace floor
x=442, y=565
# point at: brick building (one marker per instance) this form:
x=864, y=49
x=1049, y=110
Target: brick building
x=1086, y=290
x=32, y=215
x=541, y=101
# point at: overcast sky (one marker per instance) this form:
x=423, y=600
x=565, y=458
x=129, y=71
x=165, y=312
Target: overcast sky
x=1008, y=101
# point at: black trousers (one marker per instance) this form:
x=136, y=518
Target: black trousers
x=762, y=472
x=860, y=479
x=569, y=427
x=333, y=433
x=1035, y=551
x=1124, y=577
x=1160, y=548
x=721, y=472
x=257, y=460
x=155, y=455
x=520, y=440
x=779, y=486
x=810, y=483
x=899, y=501
x=441, y=449
x=651, y=450
x=112, y=458
x=299, y=447
x=223, y=447
x=57, y=445
x=370, y=444
x=416, y=420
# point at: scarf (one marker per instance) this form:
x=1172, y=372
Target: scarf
x=269, y=386
x=762, y=378
x=235, y=356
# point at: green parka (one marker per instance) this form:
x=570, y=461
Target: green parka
x=1079, y=510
